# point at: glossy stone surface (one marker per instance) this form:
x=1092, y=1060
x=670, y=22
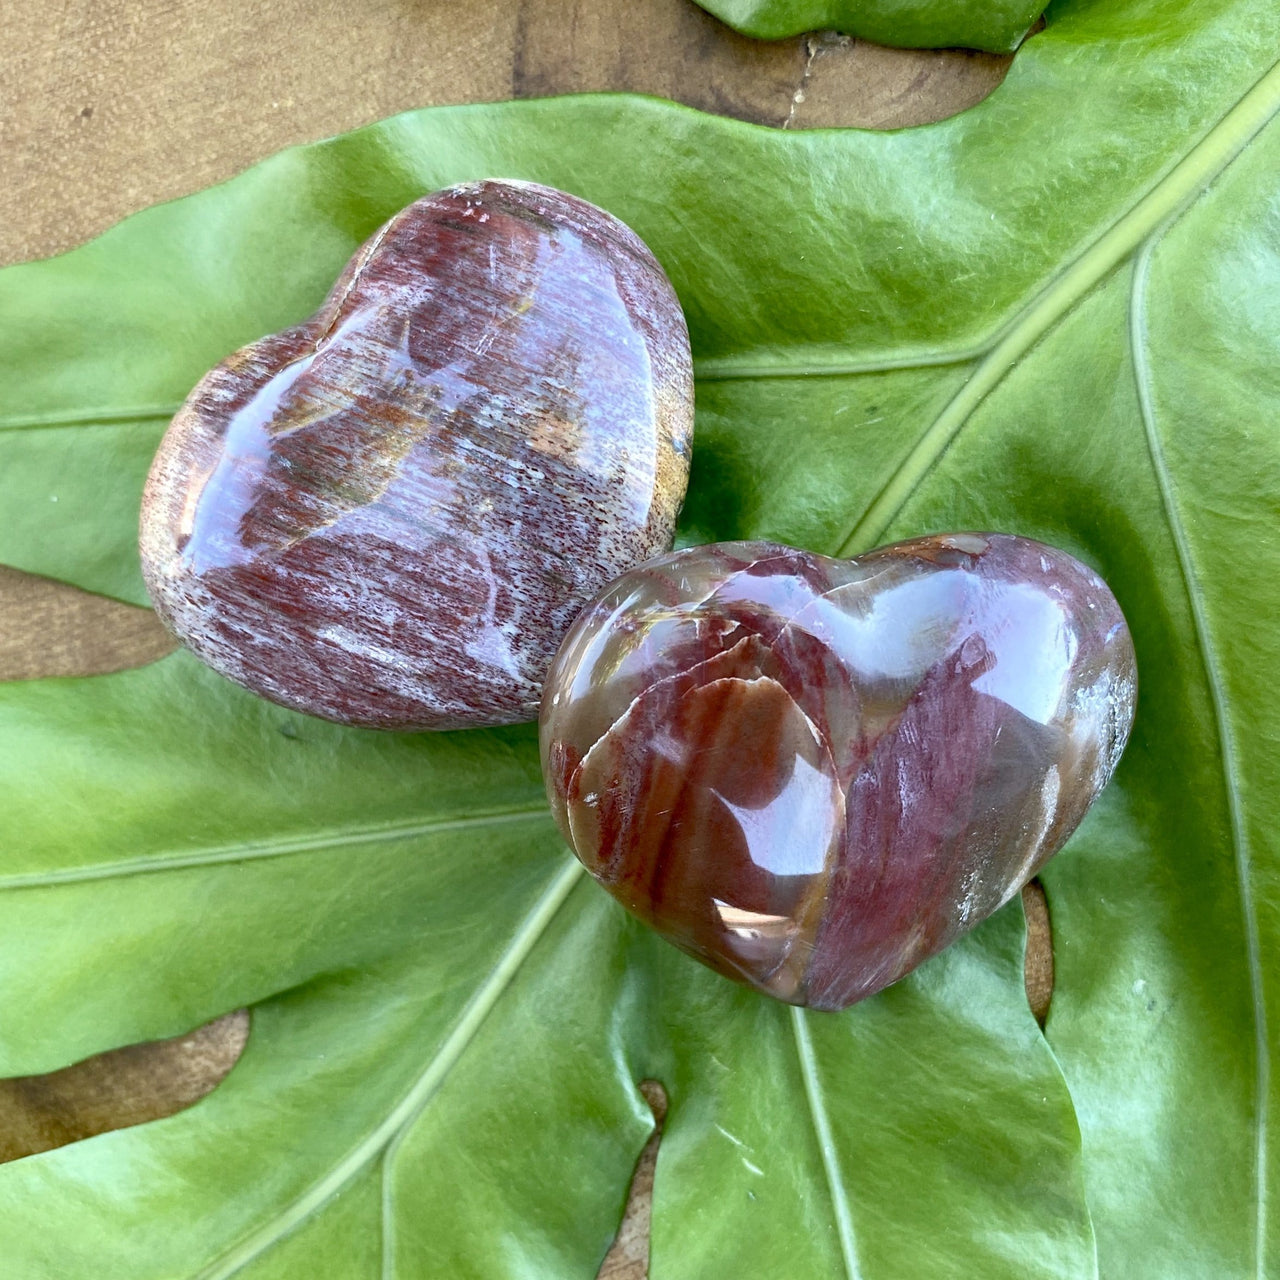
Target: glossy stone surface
x=813, y=774
x=390, y=515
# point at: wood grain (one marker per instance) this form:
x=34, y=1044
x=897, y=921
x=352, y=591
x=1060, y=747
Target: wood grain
x=851, y=82
x=110, y=107
x=50, y=629
x=1037, y=964
x=628, y=1259
x=114, y=1090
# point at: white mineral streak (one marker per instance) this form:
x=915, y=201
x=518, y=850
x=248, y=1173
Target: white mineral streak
x=969, y=887
x=1101, y=714
x=488, y=641
x=1050, y=790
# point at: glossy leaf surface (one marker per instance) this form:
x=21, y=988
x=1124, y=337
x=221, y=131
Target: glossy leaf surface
x=997, y=25
x=1054, y=315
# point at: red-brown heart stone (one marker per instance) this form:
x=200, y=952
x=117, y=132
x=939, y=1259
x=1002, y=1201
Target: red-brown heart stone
x=813, y=774
x=390, y=514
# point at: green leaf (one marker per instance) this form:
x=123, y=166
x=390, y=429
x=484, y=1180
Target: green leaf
x=997, y=25
x=1057, y=314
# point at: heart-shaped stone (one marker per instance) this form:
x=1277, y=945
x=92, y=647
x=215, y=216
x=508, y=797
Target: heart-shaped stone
x=390, y=515
x=813, y=774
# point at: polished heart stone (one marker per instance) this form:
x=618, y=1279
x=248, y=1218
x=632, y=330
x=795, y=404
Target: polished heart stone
x=813, y=774
x=390, y=515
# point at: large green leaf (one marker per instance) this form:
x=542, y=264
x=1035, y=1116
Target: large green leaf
x=998, y=25
x=1057, y=314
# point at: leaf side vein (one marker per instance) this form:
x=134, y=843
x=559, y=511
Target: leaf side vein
x=826, y=1143
x=89, y=417
x=261, y=850
x=1218, y=701
x=748, y=368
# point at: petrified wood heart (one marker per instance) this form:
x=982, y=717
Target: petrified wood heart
x=813, y=774
x=390, y=515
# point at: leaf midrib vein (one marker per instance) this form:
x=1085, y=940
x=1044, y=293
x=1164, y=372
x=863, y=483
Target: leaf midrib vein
x=260, y=850
x=826, y=1143
x=1218, y=702
x=424, y=1088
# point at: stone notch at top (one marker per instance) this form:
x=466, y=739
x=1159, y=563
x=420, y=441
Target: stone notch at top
x=390, y=514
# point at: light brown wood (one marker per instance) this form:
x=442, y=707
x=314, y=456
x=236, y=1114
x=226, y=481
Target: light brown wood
x=1037, y=965
x=50, y=629
x=117, y=1089
x=109, y=107
x=628, y=1259
x=851, y=82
